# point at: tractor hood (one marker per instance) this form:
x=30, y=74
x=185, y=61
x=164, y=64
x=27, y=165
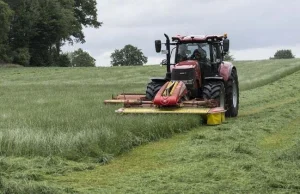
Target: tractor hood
x=186, y=64
x=186, y=70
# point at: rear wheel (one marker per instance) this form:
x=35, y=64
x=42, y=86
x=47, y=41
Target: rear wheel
x=215, y=91
x=232, y=95
x=152, y=89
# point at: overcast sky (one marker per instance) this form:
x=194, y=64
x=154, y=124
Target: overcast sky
x=256, y=28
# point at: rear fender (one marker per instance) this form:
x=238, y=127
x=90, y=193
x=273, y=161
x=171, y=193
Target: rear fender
x=209, y=79
x=225, y=70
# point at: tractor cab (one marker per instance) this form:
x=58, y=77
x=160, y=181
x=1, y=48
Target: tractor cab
x=195, y=52
x=206, y=50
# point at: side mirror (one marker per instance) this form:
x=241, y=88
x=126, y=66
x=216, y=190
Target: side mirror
x=226, y=45
x=158, y=46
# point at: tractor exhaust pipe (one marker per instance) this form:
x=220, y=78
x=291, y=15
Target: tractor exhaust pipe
x=168, y=48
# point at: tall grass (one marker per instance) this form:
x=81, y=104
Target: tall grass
x=60, y=113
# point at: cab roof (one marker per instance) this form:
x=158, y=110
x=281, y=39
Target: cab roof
x=199, y=38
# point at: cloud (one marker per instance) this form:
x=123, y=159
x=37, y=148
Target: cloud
x=250, y=24
x=104, y=59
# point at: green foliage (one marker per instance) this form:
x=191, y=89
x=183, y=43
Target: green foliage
x=129, y=55
x=86, y=13
x=5, y=18
x=64, y=60
x=44, y=26
x=284, y=54
x=21, y=56
x=228, y=57
x=4, y=54
x=81, y=58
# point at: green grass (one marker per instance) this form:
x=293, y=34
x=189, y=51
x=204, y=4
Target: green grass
x=258, y=152
x=57, y=115
x=60, y=112
x=258, y=73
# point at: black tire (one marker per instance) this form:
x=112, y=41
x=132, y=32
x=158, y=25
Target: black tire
x=152, y=89
x=215, y=91
x=232, y=95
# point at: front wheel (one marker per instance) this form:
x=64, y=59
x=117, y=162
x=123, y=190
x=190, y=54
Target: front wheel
x=215, y=91
x=232, y=95
x=152, y=89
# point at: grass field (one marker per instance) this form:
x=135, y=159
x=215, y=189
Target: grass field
x=55, y=130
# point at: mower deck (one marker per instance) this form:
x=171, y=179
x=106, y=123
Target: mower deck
x=138, y=104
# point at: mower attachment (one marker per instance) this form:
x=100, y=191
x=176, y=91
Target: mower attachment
x=212, y=116
x=169, y=100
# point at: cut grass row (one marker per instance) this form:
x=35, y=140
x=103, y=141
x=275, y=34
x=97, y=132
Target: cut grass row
x=254, y=74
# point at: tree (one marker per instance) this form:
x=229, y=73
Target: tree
x=228, y=57
x=21, y=56
x=64, y=60
x=43, y=26
x=85, y=12
x=55, y=24
x=283, y=54
x=129, y=55
x=5, y=18
x=81, y=58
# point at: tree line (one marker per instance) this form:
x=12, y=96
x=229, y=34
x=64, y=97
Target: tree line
x=132, y=56
x=33, y=31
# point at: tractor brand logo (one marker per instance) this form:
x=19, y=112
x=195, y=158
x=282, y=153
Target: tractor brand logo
x=182, y=73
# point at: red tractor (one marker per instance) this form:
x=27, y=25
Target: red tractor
x=199, y=81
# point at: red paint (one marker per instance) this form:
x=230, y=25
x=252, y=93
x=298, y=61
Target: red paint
x=216, y=110
x=172, y=100
x=225, y=70
x=190, y=64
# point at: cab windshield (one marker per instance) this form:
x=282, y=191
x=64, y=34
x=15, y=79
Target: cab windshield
x=193, y=51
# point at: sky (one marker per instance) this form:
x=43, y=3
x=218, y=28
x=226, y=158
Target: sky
x=256, y=28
